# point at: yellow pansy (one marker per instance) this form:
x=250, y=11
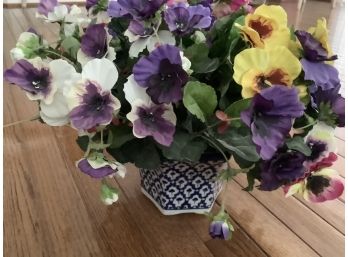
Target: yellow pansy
x=321, y=33
x=266, y=27
x=256, y=69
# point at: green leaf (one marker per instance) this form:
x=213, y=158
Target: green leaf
x=239, y=144
x=184, y=147
x=298, y=144
x=327, y=115
x=71, y=45
x=119, y=135
x=83, y=142
x=234, y=110
x=252, y=175
x=200, y=99
x=142, y=152
x=200, y=62
x=229, y=173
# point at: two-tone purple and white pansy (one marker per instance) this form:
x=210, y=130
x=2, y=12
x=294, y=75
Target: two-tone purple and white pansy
x=45, y=82
x=321, y=140
x=97, y=166
x=95, y=45
x=143, y=37
x=52, y=11
x=183, y=19
x=162, y=74
x=148, y=118
x=320, y=186
x=90, y=99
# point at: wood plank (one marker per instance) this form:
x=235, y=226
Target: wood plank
x=240, y=245
x=160, y=229
x=269, y=232
x=317, y=233
x=341, y=147
x=331, y=211
x=340, y=133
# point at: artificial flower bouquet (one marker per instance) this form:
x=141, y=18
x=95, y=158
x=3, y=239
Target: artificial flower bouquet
x=148, y=81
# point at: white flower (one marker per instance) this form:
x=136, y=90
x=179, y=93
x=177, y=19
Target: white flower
x=324, y=133
x=55, y=111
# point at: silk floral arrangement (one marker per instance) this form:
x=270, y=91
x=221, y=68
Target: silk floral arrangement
x=145, y=81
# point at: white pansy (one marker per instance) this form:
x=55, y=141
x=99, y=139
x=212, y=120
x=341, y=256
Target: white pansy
x=151, y=42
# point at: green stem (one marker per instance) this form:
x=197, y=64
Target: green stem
x=36, y=117
x=55, y=53
x=216, y=147
x=308, y=125
x=88, y=148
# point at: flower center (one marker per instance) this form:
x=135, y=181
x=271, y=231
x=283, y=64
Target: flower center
x=180, y=25
x=317, y=184
x=263, y=27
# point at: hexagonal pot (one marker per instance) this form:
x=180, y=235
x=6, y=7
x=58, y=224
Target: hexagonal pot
x=182, y=187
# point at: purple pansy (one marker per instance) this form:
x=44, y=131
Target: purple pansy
x=323, y=75
x=270, y=117
x=90, y=101
x=94, y=42
x=46, y=6
x=312, y=49
x=35, y=81
x=220, y=229
x=283, y=169
x=138, y=9
x=162, y=74
x=183, y=19
x=334, y=99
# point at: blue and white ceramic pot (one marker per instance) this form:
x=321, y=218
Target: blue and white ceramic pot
x=182, y=187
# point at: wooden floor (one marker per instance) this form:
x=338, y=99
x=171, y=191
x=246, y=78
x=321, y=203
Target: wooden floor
x=51, y=209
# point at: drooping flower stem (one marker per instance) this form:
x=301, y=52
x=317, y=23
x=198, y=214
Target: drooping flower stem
x=217, y=147
x=36, y=117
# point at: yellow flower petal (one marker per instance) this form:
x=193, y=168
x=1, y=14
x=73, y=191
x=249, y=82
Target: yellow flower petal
x=267, y=27
x=255, y=69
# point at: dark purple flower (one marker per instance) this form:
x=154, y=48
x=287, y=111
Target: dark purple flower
x=270, y=117
x=32, y=80
x=94, y=41
x=139, y=28
x=335, y=101
x=46, y=6
x=183, y=20
x=96, y=108
x=138, y=9
x=282, y=169
x=162, y=74
x=91, y=3
x=323, y=75
x=312, y=49
x=101, y=172
x=220, y=229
